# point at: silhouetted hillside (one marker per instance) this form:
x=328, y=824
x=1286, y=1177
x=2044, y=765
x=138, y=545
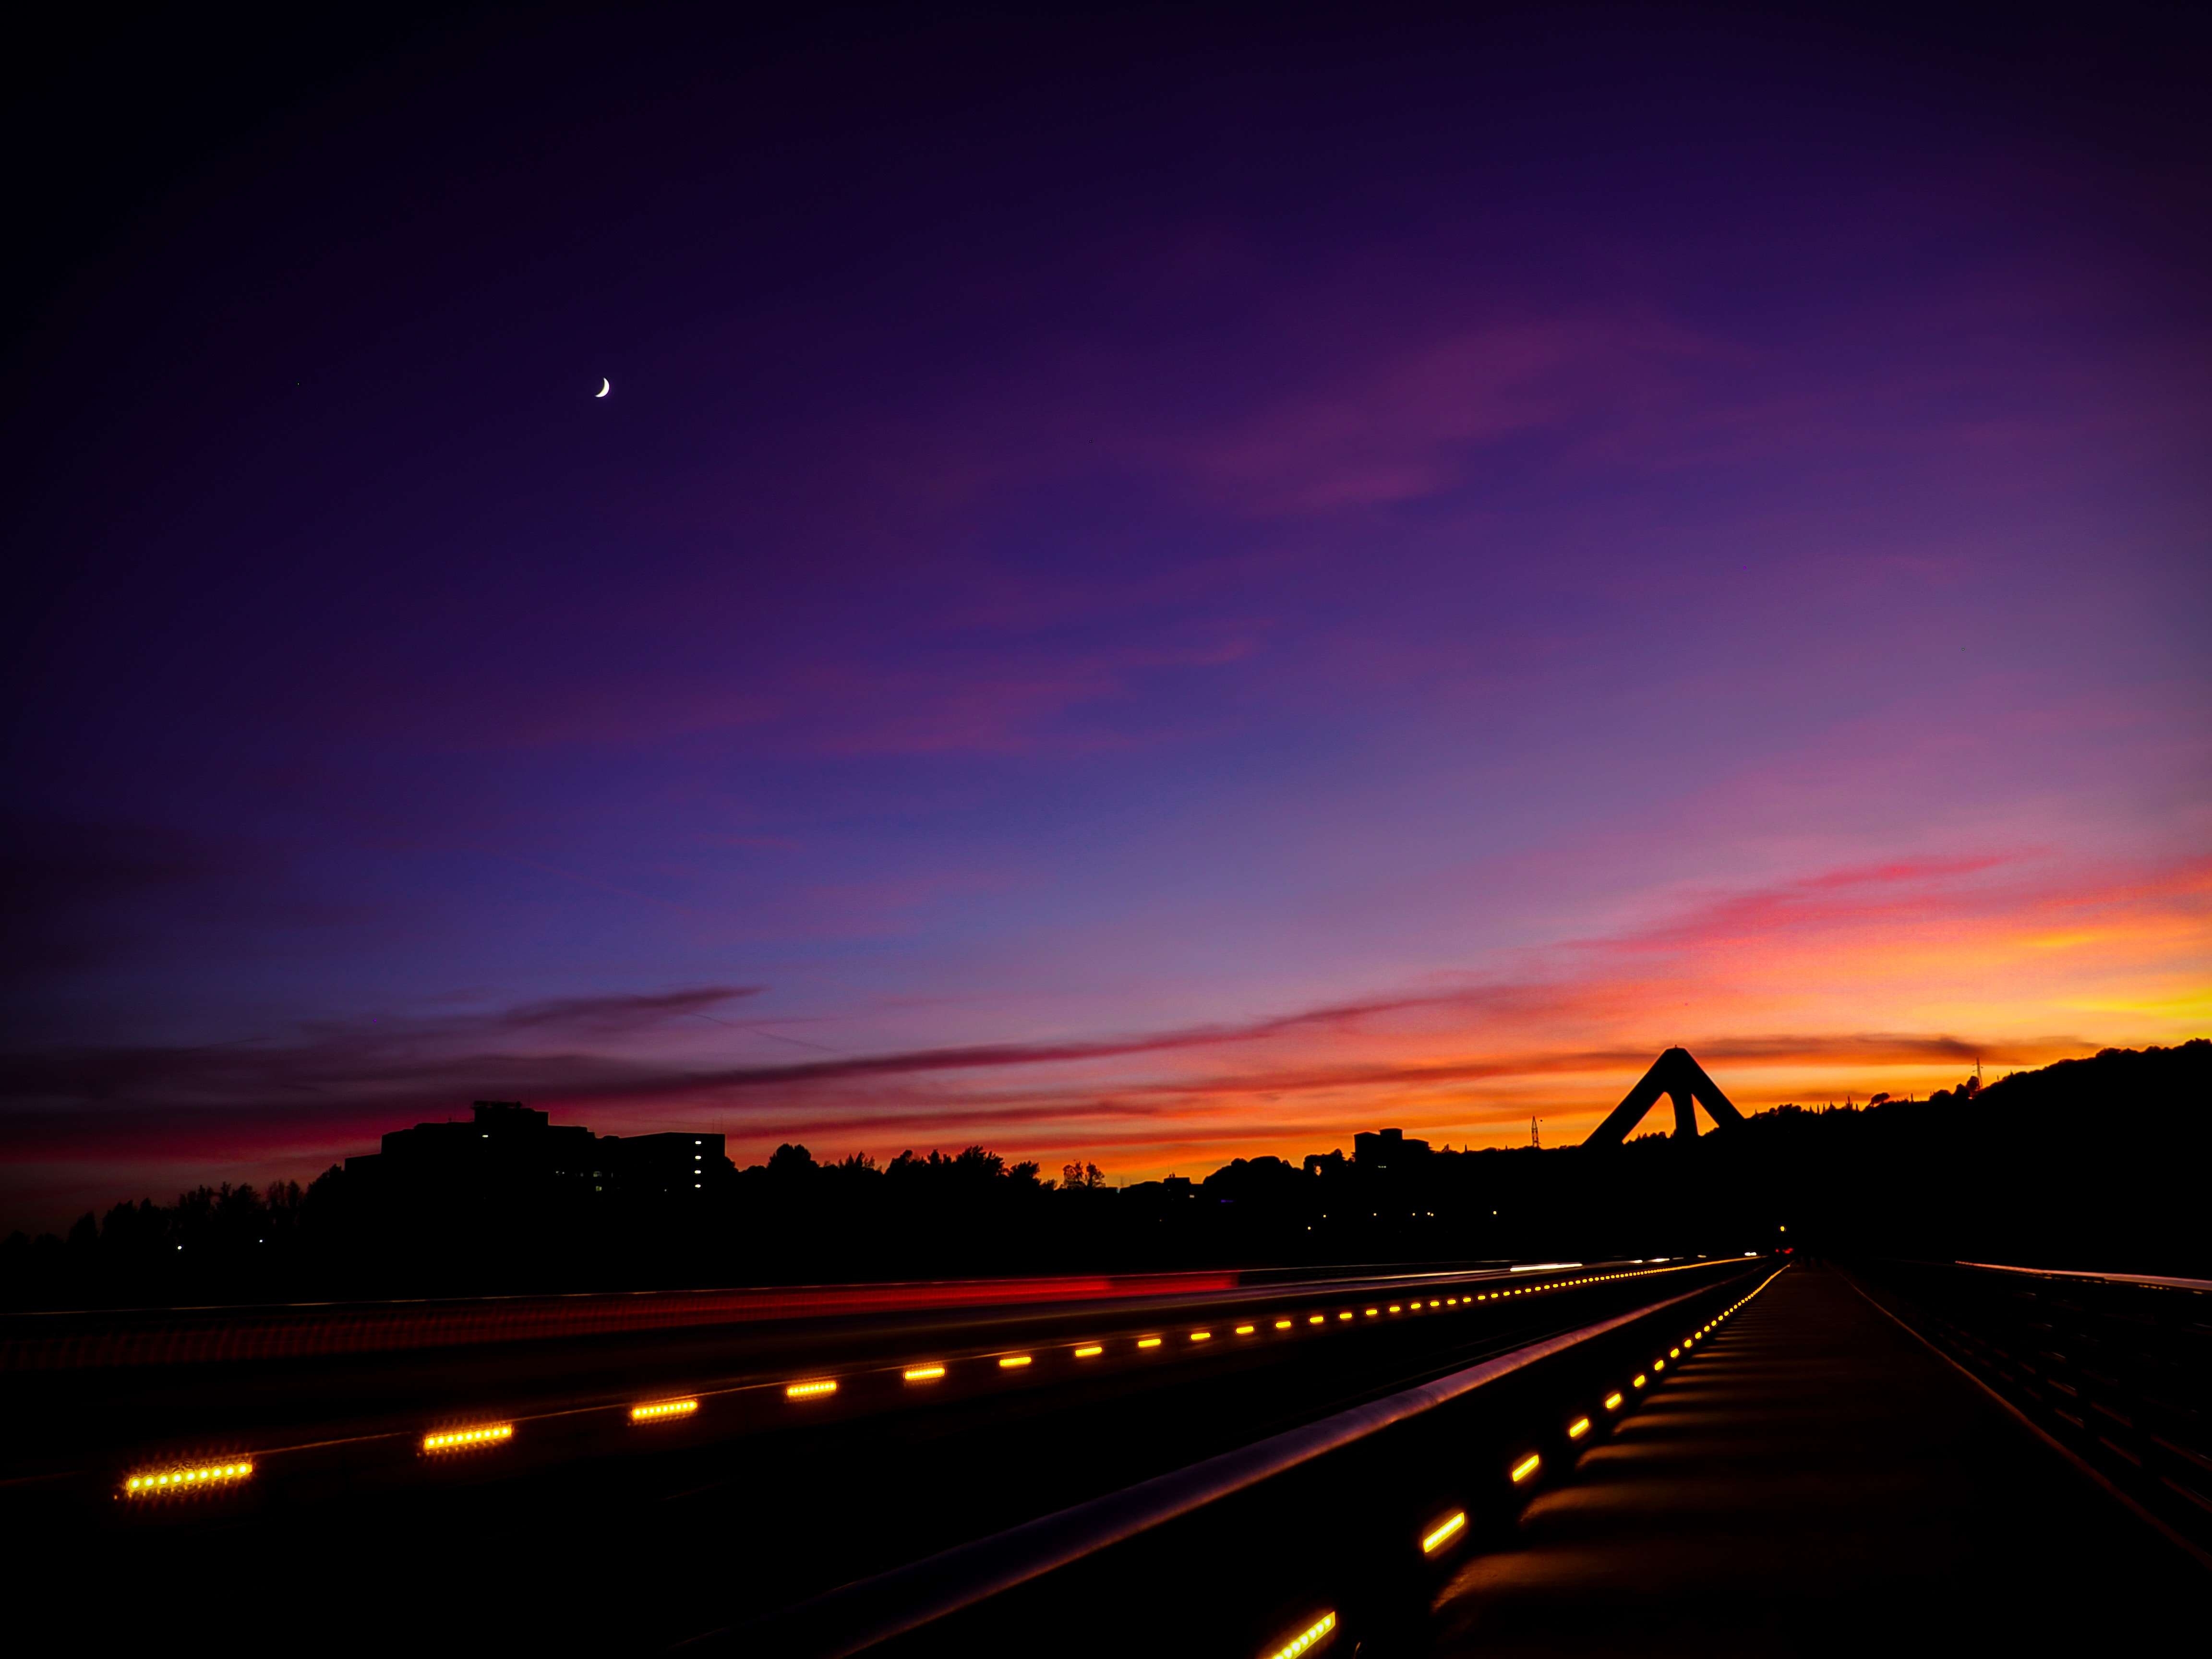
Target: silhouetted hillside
x=2096, y=1164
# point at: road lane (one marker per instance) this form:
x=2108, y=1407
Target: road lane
x=1813, y=1480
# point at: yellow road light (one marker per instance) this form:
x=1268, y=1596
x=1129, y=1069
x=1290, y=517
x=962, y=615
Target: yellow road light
x=1579, y=1428
x=809, y=1390
x=1636, y=1381
x=1014, y=1361
x=1371, y=1312
x=1316, y=1320
x=1282, y=1324
x=1347, y=1314
x=922, y=1373
x=1090, y=1351
x=1612, y=1402
x=1148, y=1342
x=662, y=1411
x=1674, y=1354
x=1394, y=1308
x=1446, y=1529
x=1244, y=1330
x=1304, y=1640
x=1527, y=1467
x=484, y=1434
x=188, y=1476
x=1201, y=1336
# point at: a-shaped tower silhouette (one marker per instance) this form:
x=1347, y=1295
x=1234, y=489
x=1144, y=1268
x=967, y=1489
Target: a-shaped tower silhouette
x=1674, y=1074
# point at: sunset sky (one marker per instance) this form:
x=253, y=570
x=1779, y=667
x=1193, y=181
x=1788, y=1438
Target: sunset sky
x=1149, y=588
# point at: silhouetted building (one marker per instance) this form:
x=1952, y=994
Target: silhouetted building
x=1386, y=1149
x=665, y=1165
x=508, y=1151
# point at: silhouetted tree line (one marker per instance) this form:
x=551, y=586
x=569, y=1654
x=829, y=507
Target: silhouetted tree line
x=2098, y=1164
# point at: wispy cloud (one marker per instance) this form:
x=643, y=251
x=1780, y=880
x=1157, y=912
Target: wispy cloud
x=1469, y=1056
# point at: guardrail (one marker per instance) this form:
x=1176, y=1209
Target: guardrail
x=2117, y=1368
x=1330, y=1534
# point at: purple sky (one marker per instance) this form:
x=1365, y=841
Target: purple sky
x=1148, y=589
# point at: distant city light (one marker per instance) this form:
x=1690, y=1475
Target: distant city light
x=922, y=1373
x=661, y=1410
x=809, y=1390
x=1527, y=1467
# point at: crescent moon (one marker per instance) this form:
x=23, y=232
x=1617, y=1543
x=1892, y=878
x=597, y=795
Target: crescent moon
x=605, y=386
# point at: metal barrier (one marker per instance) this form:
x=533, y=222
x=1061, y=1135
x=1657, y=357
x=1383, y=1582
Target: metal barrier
x=1332, y=1532
x=2117, y=1368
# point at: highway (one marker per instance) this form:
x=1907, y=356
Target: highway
x=1735, y=1455
x=736, y=1466
x=1816, y=1480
